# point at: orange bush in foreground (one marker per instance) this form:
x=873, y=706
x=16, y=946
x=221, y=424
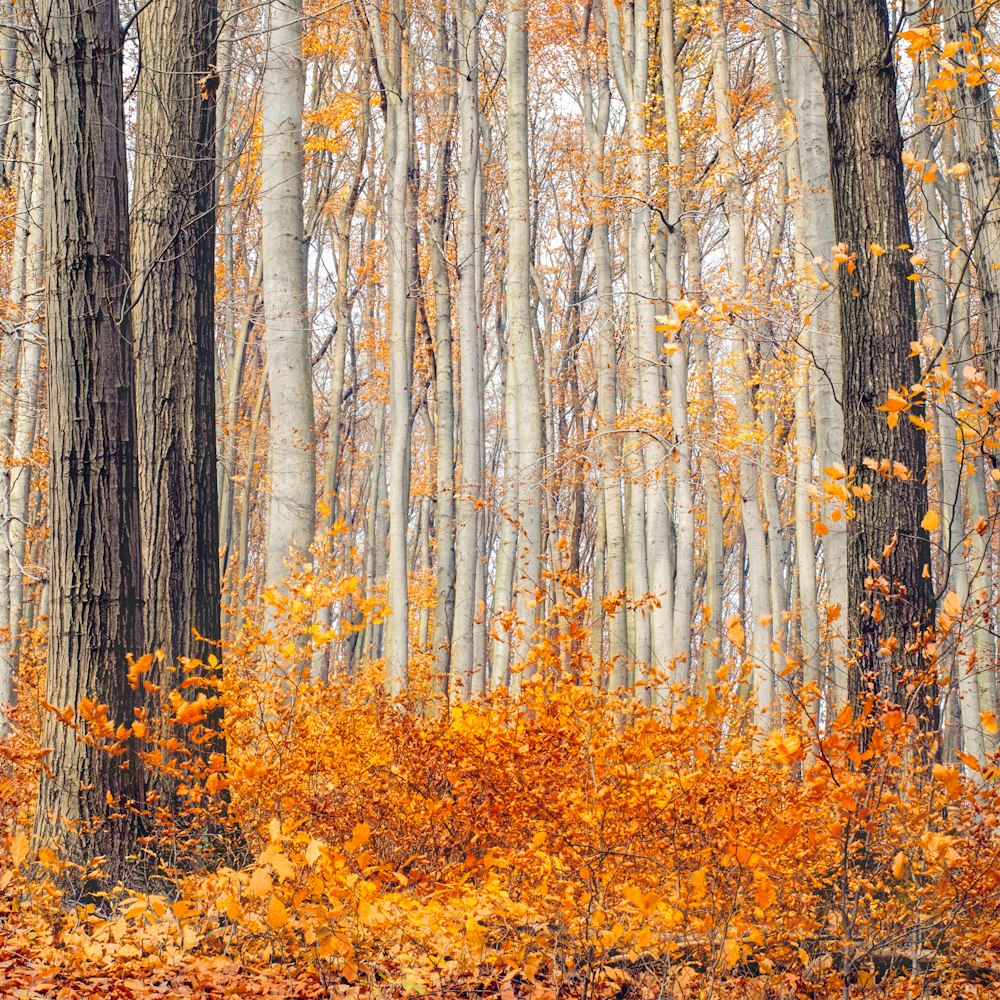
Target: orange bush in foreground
x=566, y=843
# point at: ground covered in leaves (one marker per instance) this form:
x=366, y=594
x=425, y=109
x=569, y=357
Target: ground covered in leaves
x=560, y=844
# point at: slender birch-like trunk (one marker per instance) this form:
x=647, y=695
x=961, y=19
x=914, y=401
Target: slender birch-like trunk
x=628, y=53
x=596, y=118
x=444, y=518
x=524, y=445
x=468, y=523
x=684, y=505
x=749, y=459
x=818, y=296
x=291, y=455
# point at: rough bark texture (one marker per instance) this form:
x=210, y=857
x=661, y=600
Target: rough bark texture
x=95, y=562
x=878, y=322
x=173, y=263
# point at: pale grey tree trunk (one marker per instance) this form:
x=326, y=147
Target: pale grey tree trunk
x=711, y=475
x=818, y=295
x=596, y=118
x=525, y=444
x=444, y=520
x=291, y=455
x=26, y=422
x=628, y=53
x=749, y=458
x=468, y=525
x=684, y=506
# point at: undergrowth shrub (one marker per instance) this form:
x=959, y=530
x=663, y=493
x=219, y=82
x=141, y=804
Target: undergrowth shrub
x=564, y=840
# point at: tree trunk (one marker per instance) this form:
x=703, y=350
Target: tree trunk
x=173, y=261
x=96, y=579
x=878, y=322
x=291, y=458
x=524, y=454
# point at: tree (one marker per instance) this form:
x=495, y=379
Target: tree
x=524, y=437
x=173, y=263
x=291, y=458
x=89, y=796
x=889, y=590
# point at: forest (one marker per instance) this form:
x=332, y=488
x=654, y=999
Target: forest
x=499, y=498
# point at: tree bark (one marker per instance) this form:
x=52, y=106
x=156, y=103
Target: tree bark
x=888, y=606
x=87, y=795
x=291, y=457
x=173, y=263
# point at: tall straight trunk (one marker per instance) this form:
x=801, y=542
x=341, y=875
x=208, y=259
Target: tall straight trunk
x=684, y=506
x=753, y=522
x=815, y=238
x=979, y=564
x=468, y=524
x=628, y=30
x=338, y=366
x=10, y=360
x=711, y=475
x=96, y=576
x=291, y=458
x=397, y=119
x=8, y=62
x=173, y=315
x=26, y=422
x=596, y=119
x=444, y=517
x=953, y=564
x=878, y=323
x=525, y=444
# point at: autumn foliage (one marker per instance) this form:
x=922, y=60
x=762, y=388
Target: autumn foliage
x=567, y=842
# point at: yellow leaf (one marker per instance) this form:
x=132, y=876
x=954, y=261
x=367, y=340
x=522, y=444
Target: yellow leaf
x=898, y=865
x=930, y=521
x=313, y=851
x=876, y=249
x=990, y=724
x=731, y=952
x=952, y=605
x=734, y=630
x=283, y=868
x=260, y=883
x=685, y=308
x=360, y=836
x=182, y=909
x=277, y=915
x=18, y=849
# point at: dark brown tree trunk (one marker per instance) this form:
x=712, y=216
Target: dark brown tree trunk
x=889, y=605
x=173, y=263
x=86, y=796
